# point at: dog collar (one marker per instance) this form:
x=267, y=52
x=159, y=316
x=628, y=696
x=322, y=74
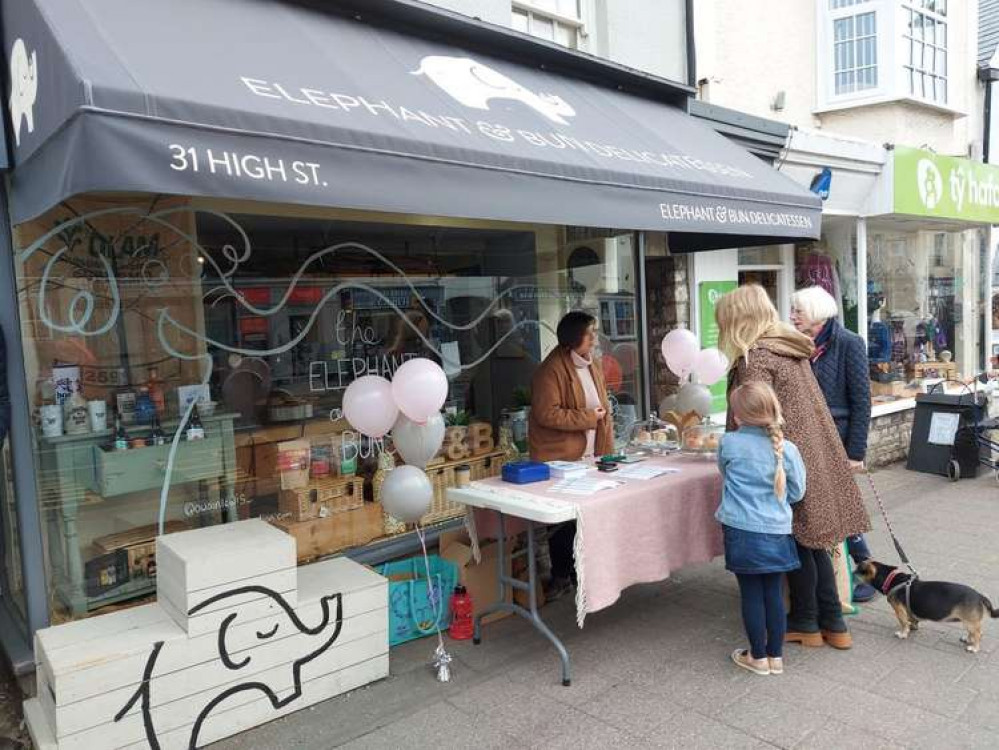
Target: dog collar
x=886, y=587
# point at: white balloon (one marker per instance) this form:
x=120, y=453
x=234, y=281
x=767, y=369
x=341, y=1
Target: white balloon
x=710, y=366
x=667, y=404
x=679, y=348
x=407, y=494
x=694, y=397
x=418, y=443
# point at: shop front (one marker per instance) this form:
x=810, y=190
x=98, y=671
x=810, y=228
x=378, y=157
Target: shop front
x=906, y=250
x=205, y=254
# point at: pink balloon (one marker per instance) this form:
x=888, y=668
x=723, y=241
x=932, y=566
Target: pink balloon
x=680, y=348
x=710, y=366
x=369, y=407
x=420, y=389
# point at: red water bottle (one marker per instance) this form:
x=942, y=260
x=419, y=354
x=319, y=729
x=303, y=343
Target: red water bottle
x=462, y=625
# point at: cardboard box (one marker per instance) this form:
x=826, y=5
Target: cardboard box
x=324, y=536
x=265, y=460
x=479, y=579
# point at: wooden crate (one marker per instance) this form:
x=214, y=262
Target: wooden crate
x=442, y=477
x=322, y=497
x=140, y=543
x=89, y=670
x=324, y=536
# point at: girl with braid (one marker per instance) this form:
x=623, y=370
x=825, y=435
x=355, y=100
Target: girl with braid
x=763, y=475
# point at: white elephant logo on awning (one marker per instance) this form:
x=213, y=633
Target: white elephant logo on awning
x=23, y=88
x=473, y=84
x=286, y=622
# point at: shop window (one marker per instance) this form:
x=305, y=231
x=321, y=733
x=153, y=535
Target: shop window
x=917, y=307
x=831, y=263
x=132, y=312
x=668, y=304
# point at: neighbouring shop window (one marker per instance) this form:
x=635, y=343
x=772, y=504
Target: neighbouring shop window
x=831, y=263
x=922, y=324
x=134, y=311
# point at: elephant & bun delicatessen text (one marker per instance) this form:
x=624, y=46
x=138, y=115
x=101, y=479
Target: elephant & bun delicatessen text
x=347, y=104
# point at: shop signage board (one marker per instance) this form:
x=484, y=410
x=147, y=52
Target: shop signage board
x=945, y=187
x=709, y=292
x=421, y=126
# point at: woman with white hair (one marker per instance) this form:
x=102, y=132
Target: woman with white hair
x=841, y=367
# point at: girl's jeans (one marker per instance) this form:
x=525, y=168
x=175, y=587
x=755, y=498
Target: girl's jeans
x=763, y=613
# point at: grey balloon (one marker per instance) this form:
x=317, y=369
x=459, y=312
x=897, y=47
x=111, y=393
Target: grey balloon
x=407, y=494
x=694, y=397
x=418, y=443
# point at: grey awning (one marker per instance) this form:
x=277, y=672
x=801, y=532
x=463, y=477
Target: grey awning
x=268, y=101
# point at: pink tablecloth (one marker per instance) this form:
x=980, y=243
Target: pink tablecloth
x=637, y=533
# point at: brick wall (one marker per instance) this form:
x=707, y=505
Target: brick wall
x=888, y=440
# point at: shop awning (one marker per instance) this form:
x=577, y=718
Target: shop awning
x=288, y=103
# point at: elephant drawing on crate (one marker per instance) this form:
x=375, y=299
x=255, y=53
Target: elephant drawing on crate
x=326, y=633
x=473, y=84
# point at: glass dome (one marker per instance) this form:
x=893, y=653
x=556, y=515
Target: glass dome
x=653, y=436
x=703, y=439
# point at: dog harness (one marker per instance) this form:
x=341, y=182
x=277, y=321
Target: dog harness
x=887, y=589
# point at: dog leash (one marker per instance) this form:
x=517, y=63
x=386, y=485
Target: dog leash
x=891, y=532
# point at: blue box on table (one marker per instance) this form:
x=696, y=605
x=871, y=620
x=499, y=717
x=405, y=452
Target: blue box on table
x=525, y=472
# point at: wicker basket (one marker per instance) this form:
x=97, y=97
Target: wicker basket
x=322, y=497
x=442, y=477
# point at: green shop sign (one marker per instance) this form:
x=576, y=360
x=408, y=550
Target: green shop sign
x=945, y=187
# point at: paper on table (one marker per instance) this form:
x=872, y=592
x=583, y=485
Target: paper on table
x=583, y=486
x=645, y=472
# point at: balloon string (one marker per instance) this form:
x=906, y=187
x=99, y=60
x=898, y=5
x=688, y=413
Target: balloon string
x=435, y=601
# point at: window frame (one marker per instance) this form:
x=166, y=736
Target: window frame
x=826, y=62
x=891, y=19
x=906, y=42
x=574, y=24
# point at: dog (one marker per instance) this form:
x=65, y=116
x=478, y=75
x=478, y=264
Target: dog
x=914, y=600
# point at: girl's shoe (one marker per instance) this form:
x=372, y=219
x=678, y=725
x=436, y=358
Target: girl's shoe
x=743, y=659
x=776, y=665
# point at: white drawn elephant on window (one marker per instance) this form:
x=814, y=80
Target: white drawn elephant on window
x=325, y=635
x=473, y=84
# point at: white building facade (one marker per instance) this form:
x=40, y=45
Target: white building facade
x=887, y=109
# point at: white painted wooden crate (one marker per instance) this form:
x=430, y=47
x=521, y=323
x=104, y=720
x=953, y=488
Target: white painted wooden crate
x=254, y=652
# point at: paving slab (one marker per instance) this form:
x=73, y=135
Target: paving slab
x=654, y=669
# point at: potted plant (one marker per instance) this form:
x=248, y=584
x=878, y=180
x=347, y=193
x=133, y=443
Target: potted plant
x=456, y=426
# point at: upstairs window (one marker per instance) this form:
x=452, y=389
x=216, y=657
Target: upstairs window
x=557, y=21
x=855, y=52
x=925, y=49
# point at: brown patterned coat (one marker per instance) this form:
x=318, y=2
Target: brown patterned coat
x=832, y=508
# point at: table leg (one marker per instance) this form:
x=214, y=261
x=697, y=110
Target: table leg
x=530, y=587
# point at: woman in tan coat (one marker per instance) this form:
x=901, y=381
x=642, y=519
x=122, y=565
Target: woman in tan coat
x=762, y=348
x=569, y=420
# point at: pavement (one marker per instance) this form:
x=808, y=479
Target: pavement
x=654, y=669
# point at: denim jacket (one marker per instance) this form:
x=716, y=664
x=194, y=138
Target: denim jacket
x=747, y=463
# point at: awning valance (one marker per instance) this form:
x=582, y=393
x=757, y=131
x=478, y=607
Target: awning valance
x=260, y=100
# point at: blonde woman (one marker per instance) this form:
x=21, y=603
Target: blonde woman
x=762, y=476
x=762, y=349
